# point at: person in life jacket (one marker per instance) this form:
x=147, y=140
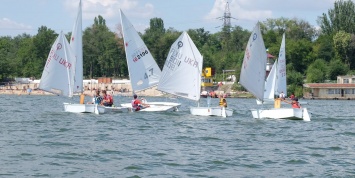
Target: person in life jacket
x=137, y=104
x=292, y=96
x=96, y=98
x=107, y=99
x=282, y=95
x=222, y=101
x=294, y=103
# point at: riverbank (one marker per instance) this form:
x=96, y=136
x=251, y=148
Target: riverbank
x=127, y=92
x=115, y=89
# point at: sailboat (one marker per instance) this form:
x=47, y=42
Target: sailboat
x=252, y=77
x=58, y=74
x=276, y=81
x=63, y=71
x=143, y=70
x=181, y=75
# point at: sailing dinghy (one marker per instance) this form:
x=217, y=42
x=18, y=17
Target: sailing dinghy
x=76, y=43
x=252, y=77
x=276, y=80
x=181, y=76
x=143, y=70
x=58, y=75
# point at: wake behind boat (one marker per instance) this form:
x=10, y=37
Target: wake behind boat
x=143, y=70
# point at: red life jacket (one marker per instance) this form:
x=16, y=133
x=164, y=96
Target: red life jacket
x=135, y=105
x=109, y=97
x=296, y=105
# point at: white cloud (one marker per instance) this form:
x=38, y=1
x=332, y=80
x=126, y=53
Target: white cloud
x=9, y=27
x=8, y=24
x=248, y=12
x=241, y=10
x=109, y=9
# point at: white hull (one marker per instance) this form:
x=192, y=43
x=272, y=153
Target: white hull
x=211, y=111
x=282, y=113
x=271, y=101
x=116, y=109
x=156, y=106
x=84, y=108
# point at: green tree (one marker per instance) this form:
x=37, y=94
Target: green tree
x=342, y=46
x=151, y=38
x=316, y=72
x=336, y=68
x=340, y=18
x=294, y=78
x=25, y=57
x=101, y=50
x=294, y=28
x=165, y=42
x=42, y=43
x=298, y=53
x=323, y=47
x=5, y=48
x=199, y=37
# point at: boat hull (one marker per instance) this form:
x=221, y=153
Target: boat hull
x=156, y=106
x=84, y=108
x=211, y=111
x=282, y=113
x=116, y=109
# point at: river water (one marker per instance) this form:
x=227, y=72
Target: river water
x=38, y=139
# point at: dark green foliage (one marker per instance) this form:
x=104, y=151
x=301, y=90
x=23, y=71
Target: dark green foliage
x=294, y=77
x=337, y=68
x=316, y=72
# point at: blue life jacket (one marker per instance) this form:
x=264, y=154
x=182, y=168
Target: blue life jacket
x=98, y=99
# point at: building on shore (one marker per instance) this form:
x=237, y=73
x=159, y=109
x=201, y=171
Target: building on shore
x=343, y=89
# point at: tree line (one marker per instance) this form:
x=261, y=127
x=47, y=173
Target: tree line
x=312, y=55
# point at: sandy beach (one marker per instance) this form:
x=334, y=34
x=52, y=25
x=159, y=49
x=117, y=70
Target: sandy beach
x=113, y=89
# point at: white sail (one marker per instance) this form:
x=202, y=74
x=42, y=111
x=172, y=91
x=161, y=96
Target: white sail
x=281, y=85
x=253, y=71
x=143, y=70
x=57, y=76
x=181, y=74
x=76, y=43
x=270, y=83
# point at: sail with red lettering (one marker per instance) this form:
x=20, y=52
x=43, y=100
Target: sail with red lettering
x=76, y=43
x=143, y=70
x=182, y=70
x=252, y=75
x=59, y=70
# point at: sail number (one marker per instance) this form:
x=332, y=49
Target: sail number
x=146, y=76
x=140, y=55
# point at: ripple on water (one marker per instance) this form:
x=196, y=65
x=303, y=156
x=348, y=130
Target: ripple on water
x=41, y=140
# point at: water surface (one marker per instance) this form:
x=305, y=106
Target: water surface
x=38, y=139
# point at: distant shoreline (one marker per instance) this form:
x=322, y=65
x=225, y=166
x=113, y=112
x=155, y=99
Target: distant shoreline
x=87, y=92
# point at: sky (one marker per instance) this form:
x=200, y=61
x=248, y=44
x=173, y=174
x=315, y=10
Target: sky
x=26, y=16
